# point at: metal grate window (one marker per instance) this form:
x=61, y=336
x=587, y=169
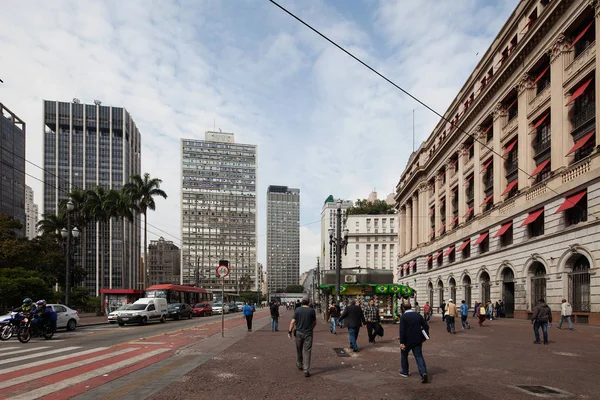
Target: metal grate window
x=579, y=285
x=538, y=285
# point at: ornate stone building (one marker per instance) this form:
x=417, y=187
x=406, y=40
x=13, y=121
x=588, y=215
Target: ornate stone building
x=502, y=201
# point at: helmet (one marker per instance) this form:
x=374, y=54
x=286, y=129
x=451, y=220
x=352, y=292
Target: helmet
x=27, y=301
x=41, y=303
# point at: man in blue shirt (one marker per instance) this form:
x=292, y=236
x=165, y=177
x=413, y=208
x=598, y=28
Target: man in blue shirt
x=464, y=314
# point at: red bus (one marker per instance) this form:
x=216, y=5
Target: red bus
x=180, y=294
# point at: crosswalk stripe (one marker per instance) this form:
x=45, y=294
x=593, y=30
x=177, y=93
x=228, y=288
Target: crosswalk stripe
x=36, y=355
x=11, y=348
x=51, y=360
x=46, y=390
x=51, y=371
x=21, y=351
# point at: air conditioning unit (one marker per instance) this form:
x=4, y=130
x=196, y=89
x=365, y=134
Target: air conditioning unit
x=350, y=279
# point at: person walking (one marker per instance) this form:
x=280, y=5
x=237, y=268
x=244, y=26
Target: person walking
x=334, y=315
x=443, y=307
x=489, y=310
x=542, y=315
x=304, y=322
x=475, y=308
x=427, y=311
x=417, y=308
x=298, y=304
x=480, y=314
x=355, y=318
x=275, y=317
x=372, y=317
x=464, y=315
x=412, y=326
x=248, y=313
x=451, y=317
x=565, y=314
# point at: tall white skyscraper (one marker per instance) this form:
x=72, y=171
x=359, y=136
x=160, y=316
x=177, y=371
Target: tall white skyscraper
x=283, y=237
x=328, y=220
x=218, y=212
x=31, y=214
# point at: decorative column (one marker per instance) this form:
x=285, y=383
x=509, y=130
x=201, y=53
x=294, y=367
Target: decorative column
x=402, y=231
x=408, y=227
x=415, y=221
x=498, y=163
x=462, y=206
x=436, y=205
x=560, y=140
x=449, y=174
x=423, y=212
x=525, y=150
x=477, y=186
x=596, y=5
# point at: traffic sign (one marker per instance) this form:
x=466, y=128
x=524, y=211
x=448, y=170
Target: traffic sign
x=222, y=270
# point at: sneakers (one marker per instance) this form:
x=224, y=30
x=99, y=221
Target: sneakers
x=424, y=378
x=545, y=342
x=536, y=342
x=403, y=375
x=307, y=374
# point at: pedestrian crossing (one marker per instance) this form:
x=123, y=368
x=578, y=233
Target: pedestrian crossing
x=28, y=373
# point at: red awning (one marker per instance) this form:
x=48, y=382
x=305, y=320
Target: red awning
x=487, y=164
x=450, y=250
x=469, y=211
x=509, y=147
x=432, y=233
x=509, y=187
x=428, y=259
x=486, y=131
x=539, y=122
x=503, y=229
x=581, y=142
x=406, y=267
x=581, y=34
x=469, y=148
x=527, y=24
x=464, y=244
x=580, y=90
x=438, y=254
x=482, y=237
x=571, y=201
x=487, y=199
x=442, y=228
x=512, y=104
x=532, y=217
x=431, y=210
x=454, y=220
x=468, y=179
x=413, y=264
x=540, y=75
x=454, y=163
x=539, y=168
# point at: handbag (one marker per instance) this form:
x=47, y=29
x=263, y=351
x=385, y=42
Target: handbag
x=379, y=330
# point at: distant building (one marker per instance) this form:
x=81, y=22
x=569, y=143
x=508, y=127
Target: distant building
x=328, y=221
x=12, y=166
x=371, y=241
x=164, y=262
x=31, y=214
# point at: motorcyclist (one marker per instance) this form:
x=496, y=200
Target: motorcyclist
x=40, y=314
x=26, y=307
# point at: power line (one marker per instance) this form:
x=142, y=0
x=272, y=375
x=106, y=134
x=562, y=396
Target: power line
x=404, y=91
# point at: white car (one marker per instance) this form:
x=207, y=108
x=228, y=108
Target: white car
x=66, y=317
x=113, y=316
x=218, y=308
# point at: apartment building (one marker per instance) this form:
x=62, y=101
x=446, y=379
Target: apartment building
x=164, y=262
x=31, y=214
x=328, y=221
x=371, y=241
x=502, y=201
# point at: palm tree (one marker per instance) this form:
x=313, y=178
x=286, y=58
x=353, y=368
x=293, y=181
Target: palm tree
x=142, y=191
x=52, y=224
x=125, y=209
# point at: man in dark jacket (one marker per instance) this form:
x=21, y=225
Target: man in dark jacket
x=412, y=326
x=542, y=315
x=275, y=317
x=355, y=318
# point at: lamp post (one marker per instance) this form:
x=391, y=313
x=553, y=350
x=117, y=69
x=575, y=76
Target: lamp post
x=339, y=243
x=319, y=283
x=67, y=233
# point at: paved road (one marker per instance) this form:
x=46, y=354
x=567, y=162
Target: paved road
x=108, y=361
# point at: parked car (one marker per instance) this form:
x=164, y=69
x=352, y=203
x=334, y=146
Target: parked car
x=180, y=310
x=218, y=308
x=144, y=310
x=233, y=307
x=66, y=317
x=112, y=317
x=240, y=305
x=202, y=309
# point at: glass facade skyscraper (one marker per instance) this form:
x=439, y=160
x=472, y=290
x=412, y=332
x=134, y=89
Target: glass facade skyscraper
x=88, y=145
x=218, y=212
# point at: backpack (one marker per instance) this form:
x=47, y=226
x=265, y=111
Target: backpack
x=482, y=310
x=378, y=330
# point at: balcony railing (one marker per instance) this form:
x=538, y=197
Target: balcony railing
x=541, y=147
x=586, y=114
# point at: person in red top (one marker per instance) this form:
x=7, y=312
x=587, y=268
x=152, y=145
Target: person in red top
x=427, y=311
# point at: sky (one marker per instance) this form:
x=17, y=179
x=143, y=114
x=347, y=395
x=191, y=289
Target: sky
x=322, y=122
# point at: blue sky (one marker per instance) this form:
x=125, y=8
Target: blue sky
x=322, y=122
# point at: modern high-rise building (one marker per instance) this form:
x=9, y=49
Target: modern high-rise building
x=502, y=200
x=283, y=237
x=164, y=262
x=88, y=145
x=12, y=166
x=218, y=212
x=328, y=221
x=31, y=214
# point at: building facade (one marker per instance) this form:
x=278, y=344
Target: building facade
x=328, y=221
x=283, y=237
x=164, y=262
x=12, y=166
x=502, y=200
x=218, y=212
x=371, y=241
x=31, y=214
x=88, y=145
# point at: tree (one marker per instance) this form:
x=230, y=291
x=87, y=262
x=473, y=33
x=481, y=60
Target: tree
x=51, y=225
x=294, y=289
x=362, y=207
x=19, y=283
x=143, y=191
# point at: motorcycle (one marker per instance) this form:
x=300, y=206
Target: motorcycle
x=10, y=326
x=35, y=326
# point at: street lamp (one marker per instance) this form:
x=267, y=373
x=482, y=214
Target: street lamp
x=339, y=243
x=67, y=233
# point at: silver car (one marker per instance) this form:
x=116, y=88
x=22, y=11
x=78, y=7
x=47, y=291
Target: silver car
x=219, y=309
x=113, y=316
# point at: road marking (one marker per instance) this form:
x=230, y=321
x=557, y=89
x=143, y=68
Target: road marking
x=46, y=390
x=11, y=348
x=51, y=360
x=52, y=371
x=10, y=353
x=44, y=353
x=142, y=343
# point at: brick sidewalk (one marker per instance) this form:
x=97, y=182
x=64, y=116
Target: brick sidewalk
x=501, y=355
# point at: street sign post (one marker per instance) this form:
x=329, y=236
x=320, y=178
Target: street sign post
x=222, y=272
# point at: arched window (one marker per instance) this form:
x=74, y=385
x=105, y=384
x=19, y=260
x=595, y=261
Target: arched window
x=430, y=289
x=538, y=283
x=440, y=292
x=453, y=290
x=467, y=289
x=579, y=285
x=486, y=286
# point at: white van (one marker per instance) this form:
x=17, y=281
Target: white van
x=144, y=310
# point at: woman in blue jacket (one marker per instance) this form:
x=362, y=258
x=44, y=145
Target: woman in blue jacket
x=248, y=312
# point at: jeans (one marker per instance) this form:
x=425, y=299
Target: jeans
x=418, y=353
x=450, y=323
x=568, y=318
x=443, y=314
x=371, y=331
x=303, y=350
x=333, y=324
x=353, y=335
x=464, y=322
x=427, y=316
x=274, y=324
x=249, y=322
x=544, y=326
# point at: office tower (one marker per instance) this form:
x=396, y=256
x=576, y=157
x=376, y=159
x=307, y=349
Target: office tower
x=31, y=214
x=164, y=262
x=218, y=212
x=88, y=145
